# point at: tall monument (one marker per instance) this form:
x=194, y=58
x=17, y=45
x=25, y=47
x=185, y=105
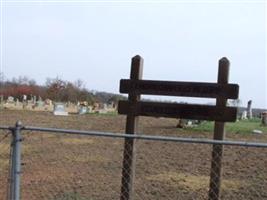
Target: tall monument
x=249, y=110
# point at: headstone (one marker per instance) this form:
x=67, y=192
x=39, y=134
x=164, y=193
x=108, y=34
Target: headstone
x=83, y=110
x=24, y=97
x=96, y=106
x=48, y=102
x=249, y=109
x=244, y=115
x=184, y=123
x=34, y=100
x=257, y=131
x=90, y=109
x=264, y=119
x=17, y=102
x=40, y=103
x=189, y=123
x=181, y=123
x=10, y=99
x=59, y=109
x=105, y=106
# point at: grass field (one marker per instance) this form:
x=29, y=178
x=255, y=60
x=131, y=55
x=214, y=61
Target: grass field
x=64, y=167
x=239, y=127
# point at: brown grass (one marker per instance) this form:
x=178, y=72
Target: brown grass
x=193, y=182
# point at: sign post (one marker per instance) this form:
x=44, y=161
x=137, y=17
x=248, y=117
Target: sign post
x=128, y=169
x=219, y=132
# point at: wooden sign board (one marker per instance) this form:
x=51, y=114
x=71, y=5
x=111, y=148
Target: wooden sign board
x=174, y=88
x=174, y=110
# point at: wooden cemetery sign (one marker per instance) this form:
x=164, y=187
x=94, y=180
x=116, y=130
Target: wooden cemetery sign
x=134, y=107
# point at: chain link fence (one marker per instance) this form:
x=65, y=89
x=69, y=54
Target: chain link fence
x=5, y=152
x=84, y=167
x=63, y=167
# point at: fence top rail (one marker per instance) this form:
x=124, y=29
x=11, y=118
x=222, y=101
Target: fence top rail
x=4, y=127
x=142, y=136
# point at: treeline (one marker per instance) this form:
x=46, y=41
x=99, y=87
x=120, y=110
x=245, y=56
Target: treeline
x=55, y=89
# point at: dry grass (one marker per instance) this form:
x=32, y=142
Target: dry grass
x=4, y=164
x=84, y=158
x=193, y=182
x=77, y=141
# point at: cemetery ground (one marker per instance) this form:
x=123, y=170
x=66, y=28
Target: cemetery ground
x=64, y=167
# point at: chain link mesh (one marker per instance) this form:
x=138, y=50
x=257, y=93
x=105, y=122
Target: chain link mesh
x=244, y=173
x=63, y=167
x=5, y=152
x=172, y=171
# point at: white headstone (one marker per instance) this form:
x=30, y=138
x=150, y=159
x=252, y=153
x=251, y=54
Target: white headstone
x=24, y=97
x=257, y=131
x=17, y=102
x=10, y=99
x=34, y=100
x=59, y=109
x=249, y=109
x=83, y=110
x=244, y=115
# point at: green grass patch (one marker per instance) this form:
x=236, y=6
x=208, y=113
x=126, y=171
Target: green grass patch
x=240, y=127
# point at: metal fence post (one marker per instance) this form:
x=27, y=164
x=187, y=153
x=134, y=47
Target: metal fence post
x=16, y=162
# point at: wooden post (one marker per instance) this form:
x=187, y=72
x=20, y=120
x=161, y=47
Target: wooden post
x=128, y=170
x=219, y=132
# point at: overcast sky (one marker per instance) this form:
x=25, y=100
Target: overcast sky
x=95, y=42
